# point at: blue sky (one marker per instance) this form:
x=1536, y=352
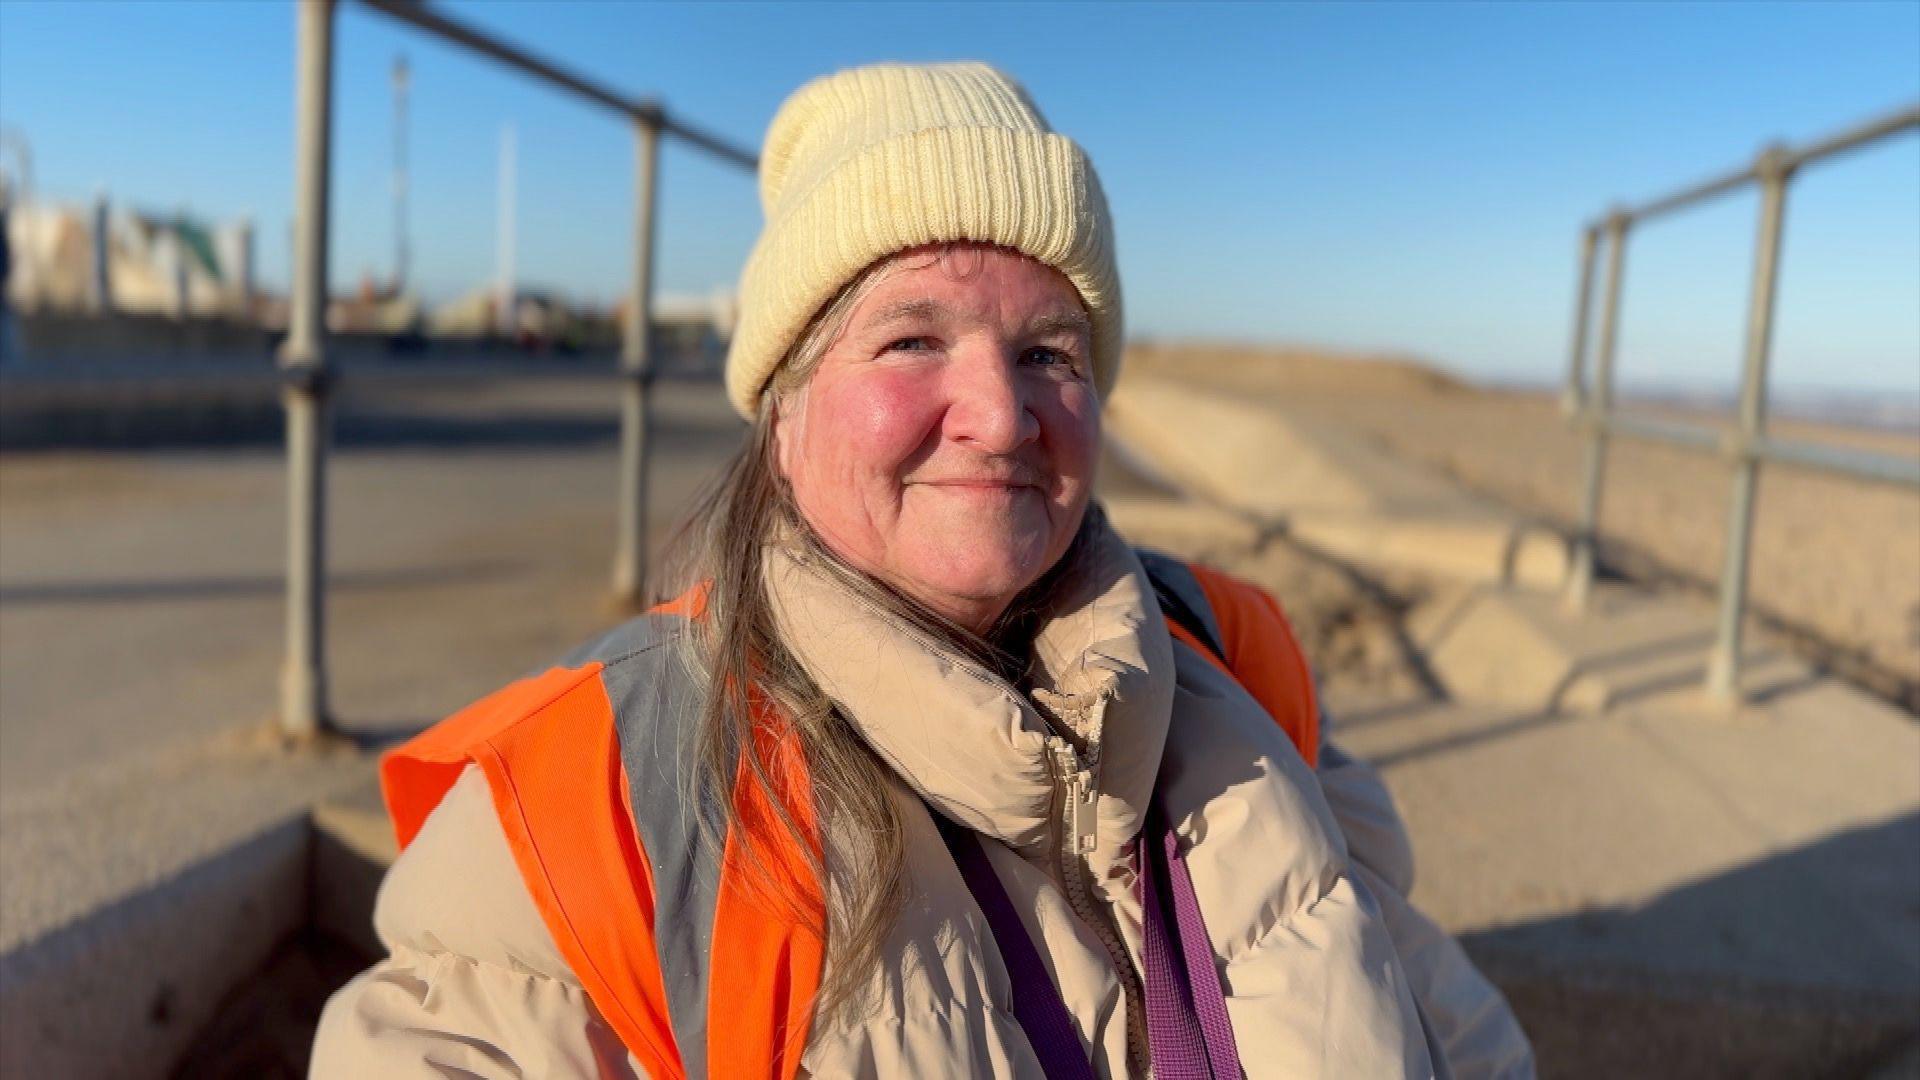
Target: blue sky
x=1371, y=176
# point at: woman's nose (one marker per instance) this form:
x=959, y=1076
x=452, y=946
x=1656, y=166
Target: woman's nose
x=988, y=407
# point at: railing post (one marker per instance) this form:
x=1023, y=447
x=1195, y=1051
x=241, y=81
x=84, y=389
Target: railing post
x=636, y=370
x=303, y=360
x=1576, y=392
x=1723, y=671
x=1594, y=418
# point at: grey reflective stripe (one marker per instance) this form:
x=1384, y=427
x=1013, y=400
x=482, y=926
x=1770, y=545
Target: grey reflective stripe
x=656, y=701
x=1173, y=575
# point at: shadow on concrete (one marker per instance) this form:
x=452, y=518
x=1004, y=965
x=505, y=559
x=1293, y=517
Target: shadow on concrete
x=1805, y=964
x=1646, y=652
x=376, y=735
x=1524, y=722
x=392, y=428
x=55, y=594
x=1767, y=675
x=1756, y=689
x=1355, y=719
x=266, y=1029
x=1443, y=627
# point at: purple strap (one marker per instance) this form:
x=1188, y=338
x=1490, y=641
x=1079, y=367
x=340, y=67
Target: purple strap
x=1036, y=1001
x=1189, y=1034
x=1188, y=1030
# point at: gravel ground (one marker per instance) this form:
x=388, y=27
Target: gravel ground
x=1835, y=561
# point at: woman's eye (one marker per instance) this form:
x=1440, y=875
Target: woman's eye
x=909, y=344
x=1049, y=357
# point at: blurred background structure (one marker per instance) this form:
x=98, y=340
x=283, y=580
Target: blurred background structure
x=1651, y=712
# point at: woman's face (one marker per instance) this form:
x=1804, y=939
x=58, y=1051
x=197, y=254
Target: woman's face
x=946, y=442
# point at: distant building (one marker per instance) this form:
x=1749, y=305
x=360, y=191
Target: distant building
x=542, y=322
x=375, y=309
x=70, y=264
x=69, y=259
x=690, y=333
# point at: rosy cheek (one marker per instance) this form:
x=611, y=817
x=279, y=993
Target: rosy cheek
x=893, y=412
x=1071, y=423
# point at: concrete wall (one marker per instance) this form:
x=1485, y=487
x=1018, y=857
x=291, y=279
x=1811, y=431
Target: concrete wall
x=124, y=991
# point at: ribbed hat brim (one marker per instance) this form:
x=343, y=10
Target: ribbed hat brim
x=1033, y=192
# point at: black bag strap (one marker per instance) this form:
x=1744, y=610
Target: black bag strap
x=1181, y=598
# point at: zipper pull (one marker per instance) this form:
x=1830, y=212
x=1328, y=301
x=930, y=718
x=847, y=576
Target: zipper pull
x=1082, y=801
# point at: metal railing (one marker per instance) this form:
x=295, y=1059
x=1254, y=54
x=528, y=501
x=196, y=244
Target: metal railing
x=1748, y=444
x=307, y=380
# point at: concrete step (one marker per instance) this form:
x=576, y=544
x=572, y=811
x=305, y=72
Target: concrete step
x=1329, y=488
x=1465, y=549
x=1528, y=649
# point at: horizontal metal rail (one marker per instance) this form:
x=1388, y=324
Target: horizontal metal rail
x=1855, y=464
x=1786, y=158
x=1649, y=429
x=646, y=111
x=1858, y=464
x=1747, y=444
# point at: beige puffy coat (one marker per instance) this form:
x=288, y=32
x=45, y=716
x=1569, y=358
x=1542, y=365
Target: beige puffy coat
x=1302, y=876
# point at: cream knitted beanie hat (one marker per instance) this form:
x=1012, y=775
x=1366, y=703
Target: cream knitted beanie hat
x=872, y=161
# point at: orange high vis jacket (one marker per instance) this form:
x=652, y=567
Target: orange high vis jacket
x=656, y=925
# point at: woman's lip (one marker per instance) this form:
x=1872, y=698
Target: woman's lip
x=980, y=484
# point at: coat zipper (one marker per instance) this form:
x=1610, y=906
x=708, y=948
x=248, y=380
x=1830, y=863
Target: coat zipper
x=1079, y=800
x=1073, y=778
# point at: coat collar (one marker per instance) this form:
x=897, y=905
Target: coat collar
x=969, y=743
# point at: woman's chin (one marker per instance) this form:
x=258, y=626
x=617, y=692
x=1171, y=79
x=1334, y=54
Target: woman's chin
x=978, y=577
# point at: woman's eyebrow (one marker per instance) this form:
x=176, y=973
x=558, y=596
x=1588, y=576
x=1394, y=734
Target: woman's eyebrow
x=926, y=309
x=1073, y=322
x=921, y=308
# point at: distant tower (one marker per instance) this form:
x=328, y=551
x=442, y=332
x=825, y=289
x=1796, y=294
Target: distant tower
x=100, y=291
x=237, y=259
x=17, y=188
x=504, y=309
x=400, y=252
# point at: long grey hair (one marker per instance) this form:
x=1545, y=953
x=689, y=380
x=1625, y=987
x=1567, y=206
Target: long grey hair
x=740, y=654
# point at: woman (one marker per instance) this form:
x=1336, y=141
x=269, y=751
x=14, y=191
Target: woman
x=931, y=774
